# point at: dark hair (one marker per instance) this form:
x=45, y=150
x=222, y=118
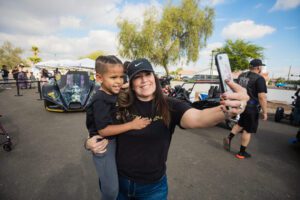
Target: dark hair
x=102, y=63
x=126, y=99
x=126, y=64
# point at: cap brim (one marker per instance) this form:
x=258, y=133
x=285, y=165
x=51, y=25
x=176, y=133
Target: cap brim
x=138, y=71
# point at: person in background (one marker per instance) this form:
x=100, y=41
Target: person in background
x=248, y=122
x=44, y=77
x=126, y=83
x=15, y=72
x=4, y=73
x=142, y=154
x=22, y=77
x=31, y=80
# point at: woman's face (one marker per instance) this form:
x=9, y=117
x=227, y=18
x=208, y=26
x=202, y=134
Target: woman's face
x=144, y=85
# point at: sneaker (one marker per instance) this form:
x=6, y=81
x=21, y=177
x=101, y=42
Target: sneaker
x=226, y=143
x=242, y=155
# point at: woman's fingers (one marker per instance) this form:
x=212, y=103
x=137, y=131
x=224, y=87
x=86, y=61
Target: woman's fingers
x=236, y=101
x=97, y=146
x=234, y=86
x=101, y=148
x=233, y=103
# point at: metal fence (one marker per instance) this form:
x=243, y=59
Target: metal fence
x=17, y=83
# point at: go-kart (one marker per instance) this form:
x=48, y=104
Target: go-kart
x=294, y=116
x=69, y=92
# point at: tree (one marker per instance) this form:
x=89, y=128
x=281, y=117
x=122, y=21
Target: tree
x=176, y=73
x=94, y=55
x=181, y=32
x=280, y=80
x=35, y=58
x=10, y=55
x=240, y=53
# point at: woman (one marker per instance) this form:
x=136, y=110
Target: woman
x=142, y=154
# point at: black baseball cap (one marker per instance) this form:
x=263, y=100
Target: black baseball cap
x=139, y=65
x=256, y=63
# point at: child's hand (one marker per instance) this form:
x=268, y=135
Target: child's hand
x=139, y=123
x=125, y=85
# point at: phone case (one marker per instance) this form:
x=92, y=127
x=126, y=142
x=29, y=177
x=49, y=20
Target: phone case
x=224, y=70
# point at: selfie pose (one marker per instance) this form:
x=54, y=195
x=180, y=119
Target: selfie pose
x=142, y=154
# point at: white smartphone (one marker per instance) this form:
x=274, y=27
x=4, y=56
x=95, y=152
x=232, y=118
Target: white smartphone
x=224, y=69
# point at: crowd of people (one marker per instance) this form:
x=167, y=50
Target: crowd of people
x=26, y=79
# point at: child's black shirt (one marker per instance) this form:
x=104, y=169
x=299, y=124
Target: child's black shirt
x=100, y=112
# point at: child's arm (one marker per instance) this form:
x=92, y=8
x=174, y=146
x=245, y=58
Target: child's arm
x=136, y=124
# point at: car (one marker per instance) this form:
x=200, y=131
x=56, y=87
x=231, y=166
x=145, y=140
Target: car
x=70, y=92
x=280, y=85
x=185, y=78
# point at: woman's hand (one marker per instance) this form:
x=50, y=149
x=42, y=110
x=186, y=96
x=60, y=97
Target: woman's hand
x=236, y=101
x=232, y=104
x=96, y=147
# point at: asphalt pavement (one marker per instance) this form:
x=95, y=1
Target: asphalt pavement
x=48, y=160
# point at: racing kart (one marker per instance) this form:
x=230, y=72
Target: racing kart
x=69, y=92
x=293, y=116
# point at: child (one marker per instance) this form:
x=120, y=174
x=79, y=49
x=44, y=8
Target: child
x=100, y=117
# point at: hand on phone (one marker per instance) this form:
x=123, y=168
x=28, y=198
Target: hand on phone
x=224, y=69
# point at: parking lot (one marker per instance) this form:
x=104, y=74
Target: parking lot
x=48, y=160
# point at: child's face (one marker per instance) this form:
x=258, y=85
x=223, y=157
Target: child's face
x=112, y=80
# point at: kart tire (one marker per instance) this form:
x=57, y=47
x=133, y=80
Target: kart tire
x=298, y=135
x=7, y=146
x=292, y=120
x=46, y=103
x=279, y=114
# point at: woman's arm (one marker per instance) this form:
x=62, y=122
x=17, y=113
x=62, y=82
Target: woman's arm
x=236, y=102
x=194, y=118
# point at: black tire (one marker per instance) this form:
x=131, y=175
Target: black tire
x=298, y=135
x=7, y=147
x=46, y=103
x=279, y=114
x=292, y=121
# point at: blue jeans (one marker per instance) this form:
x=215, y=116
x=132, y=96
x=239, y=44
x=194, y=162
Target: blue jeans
x=130, y=190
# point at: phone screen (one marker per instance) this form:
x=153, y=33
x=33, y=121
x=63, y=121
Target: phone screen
x=223, y=66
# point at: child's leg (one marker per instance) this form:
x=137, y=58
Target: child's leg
x=107, y=171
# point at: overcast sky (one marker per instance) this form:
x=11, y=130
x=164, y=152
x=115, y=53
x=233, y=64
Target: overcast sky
x=72, y=28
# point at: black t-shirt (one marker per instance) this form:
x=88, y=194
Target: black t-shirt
x=142, y=154
x=254, y=83
x=15, y=73
x=4, y=73
x=100, y=112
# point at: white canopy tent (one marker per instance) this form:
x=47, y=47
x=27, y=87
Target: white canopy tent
x=64, y=65
x=85, y=63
